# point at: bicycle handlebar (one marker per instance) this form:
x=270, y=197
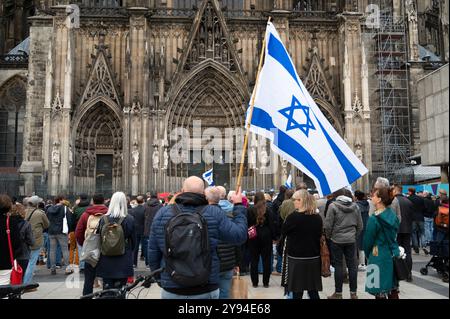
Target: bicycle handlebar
x=15, y=290
x=148, y=280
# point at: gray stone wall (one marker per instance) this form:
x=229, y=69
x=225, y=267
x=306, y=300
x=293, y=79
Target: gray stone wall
x=434, y=117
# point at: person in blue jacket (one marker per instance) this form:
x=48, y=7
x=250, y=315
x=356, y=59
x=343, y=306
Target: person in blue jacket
x=220, y=228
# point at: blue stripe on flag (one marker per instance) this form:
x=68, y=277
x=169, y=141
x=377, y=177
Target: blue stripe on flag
x=291, y=147
x=350, y=171
x=278, y=52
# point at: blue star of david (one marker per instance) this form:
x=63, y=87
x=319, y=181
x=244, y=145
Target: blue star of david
x=292, y=123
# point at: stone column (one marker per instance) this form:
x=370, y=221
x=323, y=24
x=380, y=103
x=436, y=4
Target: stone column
x=126, y=150
x=145, y=142
x=47, y=109
x=65, y=125
x=413, y=31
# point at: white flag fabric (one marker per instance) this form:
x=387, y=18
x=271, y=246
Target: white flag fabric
x=285, y=113
x=208, y=177
x=288, y=183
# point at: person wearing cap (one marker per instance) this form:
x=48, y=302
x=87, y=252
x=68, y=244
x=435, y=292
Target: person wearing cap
x=39, y=221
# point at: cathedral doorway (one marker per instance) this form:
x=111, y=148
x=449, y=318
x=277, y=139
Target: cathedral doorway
x=209, y=97
x=98, y=150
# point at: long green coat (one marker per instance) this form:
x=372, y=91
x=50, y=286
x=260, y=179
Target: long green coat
x=380, y=271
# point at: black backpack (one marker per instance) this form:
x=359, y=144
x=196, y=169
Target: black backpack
x=187, y=253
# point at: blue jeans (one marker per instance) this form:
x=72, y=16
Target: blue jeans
x=81, y=264
x=429, y=225
x=225, y=284
x=260, y=265
x=144, y=243
x=47, y=249
x=209, y=295
x=418, y=231
x=34, y=255
x=279, y=262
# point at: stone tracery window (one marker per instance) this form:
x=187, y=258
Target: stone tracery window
x=12, y=113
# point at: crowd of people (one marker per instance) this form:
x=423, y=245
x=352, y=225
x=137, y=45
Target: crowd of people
x=280, y=234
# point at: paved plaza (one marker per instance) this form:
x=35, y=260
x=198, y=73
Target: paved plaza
x=422, y=287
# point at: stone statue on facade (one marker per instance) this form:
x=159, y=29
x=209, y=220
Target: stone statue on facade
x=264, y=157
x=135, y=157
x=70, y=157
x=56, y=155
x=166, y=159
x=358, y=152
x=155, y=158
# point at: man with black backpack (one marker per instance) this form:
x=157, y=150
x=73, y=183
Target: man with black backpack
x=184, y=238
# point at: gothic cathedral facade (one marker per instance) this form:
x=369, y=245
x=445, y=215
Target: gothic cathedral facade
x=106, y=92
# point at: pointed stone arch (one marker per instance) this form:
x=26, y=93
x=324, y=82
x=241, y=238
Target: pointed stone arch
x=209, y=40
x=101, y=81
x=317, y=85
x=12, y=116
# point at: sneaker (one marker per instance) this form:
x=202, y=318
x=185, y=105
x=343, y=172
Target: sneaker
x=29, y=290
x=416, y=250
x=266, y=286
x=336, y=295
x=276, y=273
x=426, y=252
x=255, y=286
x=353, y=295
x=68, y=272
x=53, y=272
x=58, y=266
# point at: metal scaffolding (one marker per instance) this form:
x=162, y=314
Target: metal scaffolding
x=390, y=89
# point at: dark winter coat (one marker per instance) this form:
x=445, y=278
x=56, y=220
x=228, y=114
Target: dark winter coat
x=26, y=239
x=229, y=255
x=55, y=216
x=430, y=207
x=151, y=208
x=266, y=232
x=139, y=219
x=119, y=267
x=363, y=206
x=407, y=213
x=5, y=260
x=220, y=227
x=419, y=207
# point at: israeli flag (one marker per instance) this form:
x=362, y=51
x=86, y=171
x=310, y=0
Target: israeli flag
x=288, y=183
x=285, y=113
x=208, y=177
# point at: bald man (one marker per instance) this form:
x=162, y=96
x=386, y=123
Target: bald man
x=220, y=228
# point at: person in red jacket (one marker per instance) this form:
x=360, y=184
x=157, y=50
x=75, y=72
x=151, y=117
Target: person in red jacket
x=98, y=208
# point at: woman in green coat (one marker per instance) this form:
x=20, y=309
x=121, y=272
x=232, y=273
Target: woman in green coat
x=380, y=245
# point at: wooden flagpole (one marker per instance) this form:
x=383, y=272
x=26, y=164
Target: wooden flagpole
x=252, y=104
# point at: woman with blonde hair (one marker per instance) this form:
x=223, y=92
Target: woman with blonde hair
x=113, y=267
x=302, y=232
